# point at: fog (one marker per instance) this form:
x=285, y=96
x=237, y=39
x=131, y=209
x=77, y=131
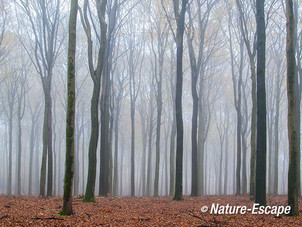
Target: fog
x=137, y=96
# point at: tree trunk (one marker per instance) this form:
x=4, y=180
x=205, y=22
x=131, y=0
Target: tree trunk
x=116, y=153
x=31, y=154
x=180, y=20
x=150, y=145
x=19, y=149
x=83, y=153
x=44, y=153
x=104, y=151
x=90, y=186
x=10, y=159
x=96, y=77
x=132, y=111
x=172, y=157
x=159, y=103
x=253, y=131
x=298, y=87
x=194, y=189
x=292, y=118
x=261, y=107
x=226, y=161
x=276, y=130
x=49, y=144
x=70, y=114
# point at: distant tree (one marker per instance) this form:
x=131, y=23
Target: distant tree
x=9, y=99
x=3, y=27
x=119, y=95
x=159, y=35
x=237, y=89
x=173, y=126
x=260, y=196
x=43, y=50
x=21, y=101
x=196, y=63
x=249, y=35
x=34, y=112
x=70, y=114
x=292, y=118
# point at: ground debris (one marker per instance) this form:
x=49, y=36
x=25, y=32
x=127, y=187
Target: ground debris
x=135, y=211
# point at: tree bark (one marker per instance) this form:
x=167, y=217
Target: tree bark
x=292, y=118
x=70, y=114
x=261, y=107
x=180, y=20
x=96, y=77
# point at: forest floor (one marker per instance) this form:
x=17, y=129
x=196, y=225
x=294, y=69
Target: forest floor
x=139, y=211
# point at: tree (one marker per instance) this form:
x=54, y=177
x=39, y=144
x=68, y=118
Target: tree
x=3, y=19
x=95, y=73
x=159, y=35
x=298, y=84
x=260, y=196
x=105, y=151
x=250, y=37
x=292, y=118
x=46, y=48
x=20, y=113
x=121, y=81
x=173, y=126
x=237, y=89
x=34, y=111
x=179, y=14
x=196, y=62
x=70, y=114
x=9, y=99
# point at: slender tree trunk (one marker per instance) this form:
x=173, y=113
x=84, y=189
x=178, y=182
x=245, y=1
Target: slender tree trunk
x=90, y=187
x=244, y=168
x=220, y=169
x=276, y=139
x=226, y=160
x=110, y=161
x=96, y=77
x=44, y=153
x=104, y=151
x=144, y=134
x=31, y=154
x=10, y=151
x=150, y=145
x=238, y=166
x=172, y=157
x=159, y=103
x=19, y=150
x=83, y=153
x=54, y=151
x=194, y=189
x=270, y=151
x=49, y=146
x=132, y=111
x=116, y=153
x=76, y=160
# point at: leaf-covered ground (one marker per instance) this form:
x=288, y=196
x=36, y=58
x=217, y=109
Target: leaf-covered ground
x=145, y=211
